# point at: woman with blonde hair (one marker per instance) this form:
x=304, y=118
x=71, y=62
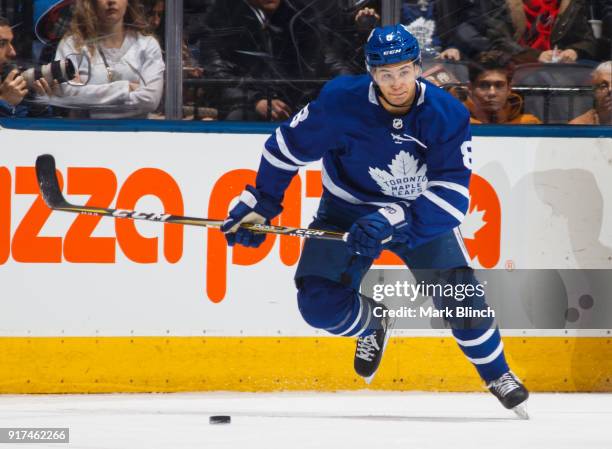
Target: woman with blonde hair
x=120, y=65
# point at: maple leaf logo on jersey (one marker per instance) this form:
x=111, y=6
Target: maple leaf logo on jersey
x=404, y=180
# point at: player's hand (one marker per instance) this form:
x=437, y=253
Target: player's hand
x=370, y=233
x=252, y=207
x=452, y=54
x=13, y=88
x=367, y=234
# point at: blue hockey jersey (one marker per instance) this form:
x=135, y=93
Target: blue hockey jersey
x=372, y=158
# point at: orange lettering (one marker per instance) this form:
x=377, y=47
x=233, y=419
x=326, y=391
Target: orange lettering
x=27, y=245
x=314, y=184
x=150, y=181
x=291, y=217
x=225, y=189
x=229, y=186
x=5, y=214
x=79, y=246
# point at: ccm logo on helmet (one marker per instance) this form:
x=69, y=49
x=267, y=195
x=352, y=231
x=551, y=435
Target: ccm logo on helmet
x=392, y=52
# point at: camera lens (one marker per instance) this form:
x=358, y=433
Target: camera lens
x=62, y=71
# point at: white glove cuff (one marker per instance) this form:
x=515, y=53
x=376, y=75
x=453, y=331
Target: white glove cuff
x=248, y=198
x=393, y=213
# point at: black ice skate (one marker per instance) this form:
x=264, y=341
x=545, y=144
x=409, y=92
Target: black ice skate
x=511, y=393
x=370, y=349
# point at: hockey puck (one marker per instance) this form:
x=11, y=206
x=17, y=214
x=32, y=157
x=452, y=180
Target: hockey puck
x=220, y=419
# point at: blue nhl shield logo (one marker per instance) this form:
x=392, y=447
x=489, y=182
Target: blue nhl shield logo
x=398, y=123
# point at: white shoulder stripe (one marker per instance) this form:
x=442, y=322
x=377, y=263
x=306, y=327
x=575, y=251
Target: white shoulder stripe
x=277, y=162
x=451, y=186
x=442, y=204
x=280, y=140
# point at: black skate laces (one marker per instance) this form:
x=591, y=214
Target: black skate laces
x=505, y=384
x=367, y=347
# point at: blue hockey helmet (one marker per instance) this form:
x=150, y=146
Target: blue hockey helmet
x=391, y=44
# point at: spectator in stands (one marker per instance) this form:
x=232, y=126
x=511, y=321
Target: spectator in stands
x=601, y=114
x=602, y=26
x=346, y=30
x=537, y=30
x=260, y=39
x=127, y=68
x=13, y=87
x=154, y=12
x=434, y=24
x=490, y=98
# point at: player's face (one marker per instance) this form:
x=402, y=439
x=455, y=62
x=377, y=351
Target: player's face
x=602, y=87
x=397, y=81
x=7, y=52
x=490, y=91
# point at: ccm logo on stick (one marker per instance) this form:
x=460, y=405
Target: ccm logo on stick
x=124, y=213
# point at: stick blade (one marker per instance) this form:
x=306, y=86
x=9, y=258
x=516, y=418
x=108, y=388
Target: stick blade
x=47, y=181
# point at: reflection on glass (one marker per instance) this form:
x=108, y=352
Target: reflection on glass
x=265, y=59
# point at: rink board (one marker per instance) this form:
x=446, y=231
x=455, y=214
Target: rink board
x=110, y=305
x=150, y=364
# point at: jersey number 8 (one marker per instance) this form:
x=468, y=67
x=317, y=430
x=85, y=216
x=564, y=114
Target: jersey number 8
x=466, y=151
x=299, y=117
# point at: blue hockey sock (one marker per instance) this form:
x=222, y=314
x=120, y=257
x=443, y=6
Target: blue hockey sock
x=485, y=349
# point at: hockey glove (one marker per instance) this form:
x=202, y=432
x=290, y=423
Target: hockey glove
x=370, y=233
x=252, y=207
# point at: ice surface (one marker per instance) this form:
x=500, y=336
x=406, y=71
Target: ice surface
x=372, y=420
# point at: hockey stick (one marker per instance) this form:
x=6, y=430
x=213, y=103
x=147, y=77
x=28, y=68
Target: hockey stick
x=51, y=193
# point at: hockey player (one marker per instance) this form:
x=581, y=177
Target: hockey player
x=360, y=126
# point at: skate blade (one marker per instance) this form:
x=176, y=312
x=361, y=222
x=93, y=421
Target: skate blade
x=521, y=410
x=368, y=380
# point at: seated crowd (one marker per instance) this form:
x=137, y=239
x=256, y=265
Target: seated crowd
x=266, y=59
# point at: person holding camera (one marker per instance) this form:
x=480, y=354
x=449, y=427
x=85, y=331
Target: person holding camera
x=13, y=86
